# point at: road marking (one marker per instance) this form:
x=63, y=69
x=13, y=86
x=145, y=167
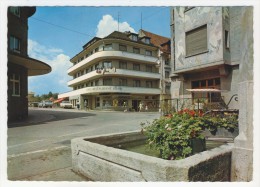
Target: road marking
x=16, y=145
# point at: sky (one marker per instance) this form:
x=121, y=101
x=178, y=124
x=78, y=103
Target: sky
x=56, y=34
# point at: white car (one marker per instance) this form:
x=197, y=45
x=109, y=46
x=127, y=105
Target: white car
x=66, y=104
x=45, y=104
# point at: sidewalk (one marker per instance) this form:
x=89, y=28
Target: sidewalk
x=44, y=165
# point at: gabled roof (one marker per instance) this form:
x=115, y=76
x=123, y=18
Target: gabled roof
x=158, y=40
x=93, y=40
x=124, y=36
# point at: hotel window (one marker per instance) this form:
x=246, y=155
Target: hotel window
x=148, y=84
x=148, y=53
x=136, y=50
x=15, y=85
x=167, y=74
x=168, y=88
x=96, y=50
x=122, y=82
x=149, y=68
x=96, y=83
x=122, y=47
x=226, y=39
x=136, y=67
x=167, y=62
x=107, y=82
x=134, y=37
x=147, y=40
x=107, y=65
x=15, y=44
x=15, y=11
x=196, y=41
x=122, y=65
x=137, y=83
x=108, y=47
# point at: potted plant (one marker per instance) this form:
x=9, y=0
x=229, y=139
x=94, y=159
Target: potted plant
x=176, y=134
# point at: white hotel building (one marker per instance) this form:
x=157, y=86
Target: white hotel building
x=120, y=71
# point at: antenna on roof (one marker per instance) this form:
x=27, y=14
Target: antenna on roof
x=118, y=15
x=141, y=20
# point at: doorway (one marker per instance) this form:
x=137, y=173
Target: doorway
x=135, y=104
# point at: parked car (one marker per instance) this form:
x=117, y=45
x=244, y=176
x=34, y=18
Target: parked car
x=45, y=104
x=66, y=104
x=34, y=104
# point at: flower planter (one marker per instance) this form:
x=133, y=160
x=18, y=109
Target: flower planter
x=97, y=159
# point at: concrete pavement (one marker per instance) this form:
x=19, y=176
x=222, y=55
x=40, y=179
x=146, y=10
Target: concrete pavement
x=49, y=159
x=44, y=165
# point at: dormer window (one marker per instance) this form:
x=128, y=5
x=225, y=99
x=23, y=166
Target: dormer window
x=147, y=40
x=134, y=37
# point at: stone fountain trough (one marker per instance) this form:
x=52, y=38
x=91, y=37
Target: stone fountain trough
x=97, y=158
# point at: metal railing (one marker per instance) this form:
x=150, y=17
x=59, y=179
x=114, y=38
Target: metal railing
x=172, y=105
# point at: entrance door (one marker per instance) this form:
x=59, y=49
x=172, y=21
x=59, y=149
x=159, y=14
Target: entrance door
x=135, y=104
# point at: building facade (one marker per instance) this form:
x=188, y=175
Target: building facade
x=119, y=72
x=206, y=52
x=20, y=66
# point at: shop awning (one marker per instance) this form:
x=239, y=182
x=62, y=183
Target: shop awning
x=59, y=100
x=205, y=90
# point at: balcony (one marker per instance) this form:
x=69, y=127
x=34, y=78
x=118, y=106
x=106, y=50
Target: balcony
x=110, y=55
x=111, y=89
x=118, y=72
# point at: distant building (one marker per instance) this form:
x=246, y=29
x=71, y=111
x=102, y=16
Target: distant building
x=120, y=71
x=20, y=66
x=206, y=53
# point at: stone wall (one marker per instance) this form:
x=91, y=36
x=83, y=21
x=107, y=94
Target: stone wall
x=93, y=159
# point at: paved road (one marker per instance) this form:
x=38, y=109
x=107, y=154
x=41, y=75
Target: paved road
x=50, y=128
x=39, y=148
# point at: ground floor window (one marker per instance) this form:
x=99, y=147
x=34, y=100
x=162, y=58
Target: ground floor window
x=97, y=101
x=107, y=102
x=207, y=83
x=14, y=84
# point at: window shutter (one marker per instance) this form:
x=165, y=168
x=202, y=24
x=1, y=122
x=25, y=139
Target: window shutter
x=196, y=41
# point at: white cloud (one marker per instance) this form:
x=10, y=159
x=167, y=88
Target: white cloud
x=56, y=80
x=108, y=24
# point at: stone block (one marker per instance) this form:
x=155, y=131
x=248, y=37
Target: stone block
x=100, y=162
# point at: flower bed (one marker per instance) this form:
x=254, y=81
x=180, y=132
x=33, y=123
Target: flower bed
x=97, y=159
x=172, y=135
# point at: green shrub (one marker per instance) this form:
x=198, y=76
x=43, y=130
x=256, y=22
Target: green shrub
x=172, y=134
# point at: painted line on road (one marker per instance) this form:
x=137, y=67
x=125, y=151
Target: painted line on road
x=38, y=151
x=73, y=133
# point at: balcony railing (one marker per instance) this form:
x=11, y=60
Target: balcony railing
x=113, y=71
x=111, y=54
